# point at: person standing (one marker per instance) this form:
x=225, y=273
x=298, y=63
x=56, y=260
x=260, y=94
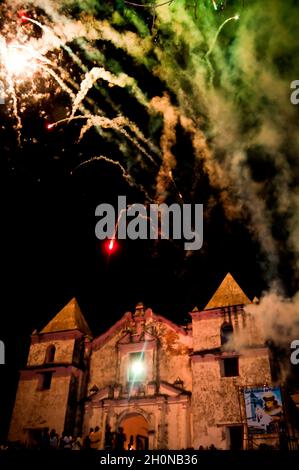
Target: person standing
x=108, y=438
x=53, y=440
x=87, y=440
x=45, y=439
x=120, y=439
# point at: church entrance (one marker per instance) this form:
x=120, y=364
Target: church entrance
x=135, y=428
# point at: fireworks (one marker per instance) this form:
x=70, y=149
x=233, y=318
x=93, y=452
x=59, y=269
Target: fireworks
x=111, y=246
x=18, y=61
x=235, y=17
x=206, y=76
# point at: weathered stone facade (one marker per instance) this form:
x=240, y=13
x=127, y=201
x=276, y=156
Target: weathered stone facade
x=173, y=387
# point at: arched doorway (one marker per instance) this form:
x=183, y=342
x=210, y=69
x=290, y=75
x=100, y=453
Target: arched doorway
x=135, y=427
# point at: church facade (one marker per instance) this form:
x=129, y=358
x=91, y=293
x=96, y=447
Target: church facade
x=168, y=386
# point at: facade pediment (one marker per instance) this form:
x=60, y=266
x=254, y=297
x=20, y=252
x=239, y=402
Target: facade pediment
x=171, y=390
x=136, y=337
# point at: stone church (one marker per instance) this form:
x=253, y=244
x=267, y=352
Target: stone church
x=172, y=387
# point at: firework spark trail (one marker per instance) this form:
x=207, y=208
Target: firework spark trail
x=140, y=216
x=137, y=144
x=150, y=5
x=33, y=55
x=236, y=17
x=12, y=92
x=131, y=181
x=58, y=43
x=60, y=81
x=143, y=139
x=39, y=62
x=175, y=185
x=97, y=73
x=117, y=124
x=215, y=5
x=211, y=48
x=12, y=66
x=91, y=78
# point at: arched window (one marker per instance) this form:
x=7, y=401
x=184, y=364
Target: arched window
x=226, y=333
x=50, y=353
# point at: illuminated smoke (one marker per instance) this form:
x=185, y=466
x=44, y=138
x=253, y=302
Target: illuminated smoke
x=100, y=73
x=275, y=321
x=168, y=140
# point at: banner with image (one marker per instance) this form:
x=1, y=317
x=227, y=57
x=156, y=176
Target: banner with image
x=264, y=410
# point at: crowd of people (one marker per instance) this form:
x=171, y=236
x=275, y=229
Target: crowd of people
x=47, y=440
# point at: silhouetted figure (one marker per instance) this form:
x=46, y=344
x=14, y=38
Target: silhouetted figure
x=45, y=439
x=53, y=440
x=139, y=443
x=131, y=443
x=108, y=438
x=87, y=440
x=120, y=439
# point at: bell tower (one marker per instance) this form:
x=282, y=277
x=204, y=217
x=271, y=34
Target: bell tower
x=53, y=383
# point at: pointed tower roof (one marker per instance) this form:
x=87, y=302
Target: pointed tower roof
x=68, y=319
x=228, y=293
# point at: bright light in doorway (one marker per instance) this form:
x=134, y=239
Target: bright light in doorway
x=137, y=369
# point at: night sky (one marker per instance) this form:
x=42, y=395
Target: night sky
x=49, y=252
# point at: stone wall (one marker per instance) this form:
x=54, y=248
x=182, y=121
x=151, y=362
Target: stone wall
x=39, y=408
x=103, y=364
x=218, y=402
x=172, y=356
x=64, y=351
x=174, y=360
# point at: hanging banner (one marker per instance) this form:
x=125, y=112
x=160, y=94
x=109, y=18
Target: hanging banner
x=264, y=411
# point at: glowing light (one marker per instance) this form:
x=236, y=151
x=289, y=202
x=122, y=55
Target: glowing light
x=18, y=61
x=22, y=15
x=237, y=17
x=214, y=4
x=111, y=246
x=50, y=126
x=137, y=368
